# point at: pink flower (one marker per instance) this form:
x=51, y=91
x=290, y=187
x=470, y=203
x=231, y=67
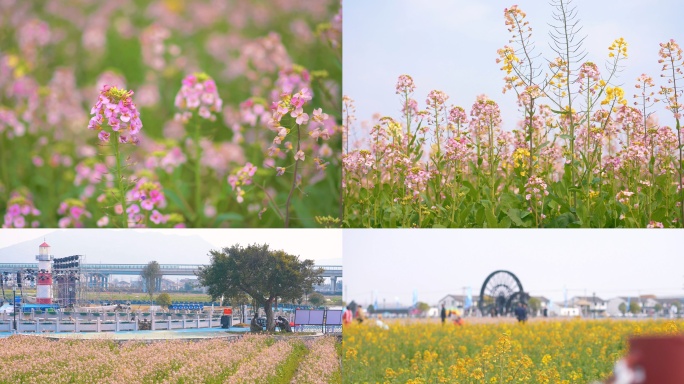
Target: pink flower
x=241, y=178
x=74, y=213
x=280, y=171
x=147, y=205
x=132, y=210
x=103, y=222
x=300, y=116
x=19, y=222
x=157, y=217
x=405, y=85
x=319, y=116
x=117, y=107
x=198, y=93
x=299, y=156
x=300, y=98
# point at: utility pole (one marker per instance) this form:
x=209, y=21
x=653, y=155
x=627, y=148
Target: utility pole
x=14, y=308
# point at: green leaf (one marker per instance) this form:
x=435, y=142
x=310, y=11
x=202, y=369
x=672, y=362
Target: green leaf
x=489, y=215
x=233, y=217
x=182, y=205
x=514, y=215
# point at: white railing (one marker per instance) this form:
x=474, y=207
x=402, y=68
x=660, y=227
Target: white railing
x=39, y=325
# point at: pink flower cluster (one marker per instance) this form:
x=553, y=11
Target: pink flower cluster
x=10, y=124
x=319, y=364
x=249, y=359
x=91, y=174
x=405, y=85
x=21, y=212
x=535, y=190
x=623, y=196
x=241, y=178
x=116, y=106
x=588, y=73
x=74, y=212
x=198, y=93
x=147, y=198
x=655, y=224
x=456, y=149
x=486, y=115
x=263, y=366
x=458, y=116
x=416, y=180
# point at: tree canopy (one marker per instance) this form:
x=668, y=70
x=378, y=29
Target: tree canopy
x=263, y=274
x=316, y=299
x=150, y=273
x=164, y=300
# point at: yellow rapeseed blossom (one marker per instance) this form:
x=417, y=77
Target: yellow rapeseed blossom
x=614, y=93
x=619, y=46
x=576, y=351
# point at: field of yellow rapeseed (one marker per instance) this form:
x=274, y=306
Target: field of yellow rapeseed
x=577, y=351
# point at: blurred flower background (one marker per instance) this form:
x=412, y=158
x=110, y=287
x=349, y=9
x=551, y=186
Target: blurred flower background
x=240, y=105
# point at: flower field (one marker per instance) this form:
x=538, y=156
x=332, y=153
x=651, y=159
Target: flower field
x=169, y=113
x=539, y=352
x=587, y=151
x=251, y=359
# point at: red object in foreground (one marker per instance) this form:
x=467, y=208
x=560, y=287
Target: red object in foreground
x=660, y=357
x=227, y=311
x=652, y=360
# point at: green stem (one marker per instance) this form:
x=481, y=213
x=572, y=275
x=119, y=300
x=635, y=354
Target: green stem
x=270, y=199
x=294, y=181
x=198, y=158
x=120, y=181
x=3, y=166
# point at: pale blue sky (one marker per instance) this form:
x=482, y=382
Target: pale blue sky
x=391, y=264
x=321, y=245
x=451, y=45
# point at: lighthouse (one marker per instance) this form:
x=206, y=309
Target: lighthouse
x=44, y=283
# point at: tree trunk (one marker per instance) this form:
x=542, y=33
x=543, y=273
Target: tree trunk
x=268, y=307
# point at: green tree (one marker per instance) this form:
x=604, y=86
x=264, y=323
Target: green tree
x=316, y=299
x=371, y=309
x=634, y=307
x=622, y=308
x=164, y=299
x=150, y=273
x=535, y=305
x=422, y=307
x=263, y=274
x=658, y=308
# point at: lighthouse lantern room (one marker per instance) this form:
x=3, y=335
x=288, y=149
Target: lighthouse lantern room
x=44, y=283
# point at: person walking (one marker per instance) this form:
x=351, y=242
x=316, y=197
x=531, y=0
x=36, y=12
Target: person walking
x=519, y=312
x=347, y=316
x=443, y=314
x=359, y=316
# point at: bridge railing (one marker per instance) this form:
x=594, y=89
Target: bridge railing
x=135, y=267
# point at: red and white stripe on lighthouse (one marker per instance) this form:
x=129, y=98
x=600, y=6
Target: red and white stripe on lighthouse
x=44, y=283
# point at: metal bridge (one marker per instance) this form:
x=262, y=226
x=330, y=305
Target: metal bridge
x=330, y=271
x=98, y=275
